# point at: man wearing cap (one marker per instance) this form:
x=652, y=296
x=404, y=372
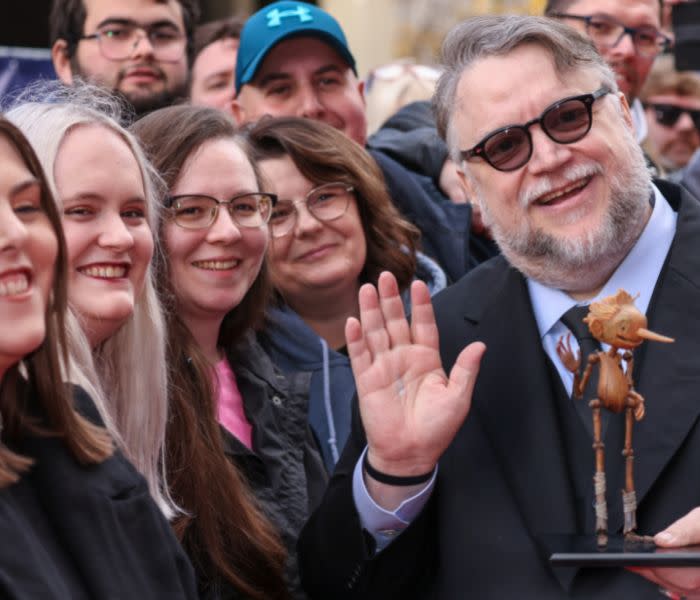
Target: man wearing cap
x=294, y=60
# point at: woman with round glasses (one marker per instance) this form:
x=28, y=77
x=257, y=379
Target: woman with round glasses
x=333, y=228
x=237, y=424
x=76, y=519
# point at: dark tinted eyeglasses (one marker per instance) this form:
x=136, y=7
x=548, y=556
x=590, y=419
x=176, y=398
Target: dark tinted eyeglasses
x=668, y=114
x=607, y=32
x=565, y=122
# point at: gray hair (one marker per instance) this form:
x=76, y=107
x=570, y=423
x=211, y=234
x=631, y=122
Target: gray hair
x=127, y=378
x=483, y=37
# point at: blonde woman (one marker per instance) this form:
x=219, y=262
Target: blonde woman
x=107, y=195
x=76, y=519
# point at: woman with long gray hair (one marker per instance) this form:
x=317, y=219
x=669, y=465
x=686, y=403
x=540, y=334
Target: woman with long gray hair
x=107, y=195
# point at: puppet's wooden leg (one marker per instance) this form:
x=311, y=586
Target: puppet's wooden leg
x=629, y=498
x=601, y=508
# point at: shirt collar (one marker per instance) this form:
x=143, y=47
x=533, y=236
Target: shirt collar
x=639, y=120
x=637, y=273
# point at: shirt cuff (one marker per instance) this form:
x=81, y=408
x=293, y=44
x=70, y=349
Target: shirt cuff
x=383, y=525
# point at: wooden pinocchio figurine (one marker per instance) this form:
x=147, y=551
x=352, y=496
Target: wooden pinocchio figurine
x=617, y=322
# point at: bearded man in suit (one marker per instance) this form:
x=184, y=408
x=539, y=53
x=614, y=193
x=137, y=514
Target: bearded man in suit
x=430, y=505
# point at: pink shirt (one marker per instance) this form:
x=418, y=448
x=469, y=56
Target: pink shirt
x=230, y=404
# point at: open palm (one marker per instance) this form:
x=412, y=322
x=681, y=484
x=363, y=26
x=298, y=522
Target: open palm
x=410, y=409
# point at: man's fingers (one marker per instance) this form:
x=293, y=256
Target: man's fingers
x=466, y=368
x=684, y=532
x=360, y=358
x=678, y=583
x=373, y=327
x=393, y=310
x=423, y=328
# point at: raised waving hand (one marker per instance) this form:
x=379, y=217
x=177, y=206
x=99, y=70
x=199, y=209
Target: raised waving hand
x=410, y=408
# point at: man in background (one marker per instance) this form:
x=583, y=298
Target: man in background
x=213, y=70
x=671, y=101
x=140, y=49
x=294, y=60
x=628, y=35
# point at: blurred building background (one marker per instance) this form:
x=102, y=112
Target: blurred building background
x=379, y=31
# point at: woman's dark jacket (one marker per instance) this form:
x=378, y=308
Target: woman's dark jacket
x=93, y=532
x=284, y=470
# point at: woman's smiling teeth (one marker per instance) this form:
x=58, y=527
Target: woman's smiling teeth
x=553, y=196
x=216, y=265
x=105, y=271
x=14, y=284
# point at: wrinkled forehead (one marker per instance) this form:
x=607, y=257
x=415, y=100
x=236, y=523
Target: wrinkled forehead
x=512, y=89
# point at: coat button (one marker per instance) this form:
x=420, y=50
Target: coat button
x=277, y=401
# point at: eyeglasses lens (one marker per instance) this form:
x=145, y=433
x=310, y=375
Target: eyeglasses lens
x=194, y=212
x=608, y=33
x=567, y=122
x=328, y=202
x=325, y=203
x=508, y=149
x=668, y=115
x=251, y=210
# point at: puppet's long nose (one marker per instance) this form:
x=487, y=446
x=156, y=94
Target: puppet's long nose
x=655, y=337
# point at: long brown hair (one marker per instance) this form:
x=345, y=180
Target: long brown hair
x=226, y=532
x=87, y=442
x=323, y=155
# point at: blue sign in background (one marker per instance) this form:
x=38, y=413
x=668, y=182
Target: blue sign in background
x=20, y=66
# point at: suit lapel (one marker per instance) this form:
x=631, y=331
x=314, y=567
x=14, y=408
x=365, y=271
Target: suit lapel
x=513, y=400
x=671, y=410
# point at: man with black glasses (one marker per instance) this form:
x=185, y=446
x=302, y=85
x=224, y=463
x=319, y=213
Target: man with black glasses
x=428, y=505
x=141, y=49
x=672, y=103
x=628, y=35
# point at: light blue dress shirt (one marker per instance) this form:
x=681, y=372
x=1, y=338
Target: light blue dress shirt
x=637, y=273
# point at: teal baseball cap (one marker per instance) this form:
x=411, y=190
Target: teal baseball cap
x=280, y=21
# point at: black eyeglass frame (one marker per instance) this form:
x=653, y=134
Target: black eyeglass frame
x=171, y=200
x=666, y=42
x=586, y=99
x=693, y=113
x=148, y=30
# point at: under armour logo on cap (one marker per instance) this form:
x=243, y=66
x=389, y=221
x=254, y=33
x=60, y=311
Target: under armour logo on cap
x=275, y=16
x=278, y=22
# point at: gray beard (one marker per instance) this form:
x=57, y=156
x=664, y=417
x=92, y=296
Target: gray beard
x=586, y=262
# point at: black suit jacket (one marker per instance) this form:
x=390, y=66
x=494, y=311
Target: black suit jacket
x=86, y=531
x=504, y=480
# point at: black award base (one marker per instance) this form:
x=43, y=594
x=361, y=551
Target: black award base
x=583, y=551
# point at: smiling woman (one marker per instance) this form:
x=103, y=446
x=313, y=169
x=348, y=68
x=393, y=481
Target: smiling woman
x=59, y=473
x=333, y=229
x=237, y=423
x=115, y=313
